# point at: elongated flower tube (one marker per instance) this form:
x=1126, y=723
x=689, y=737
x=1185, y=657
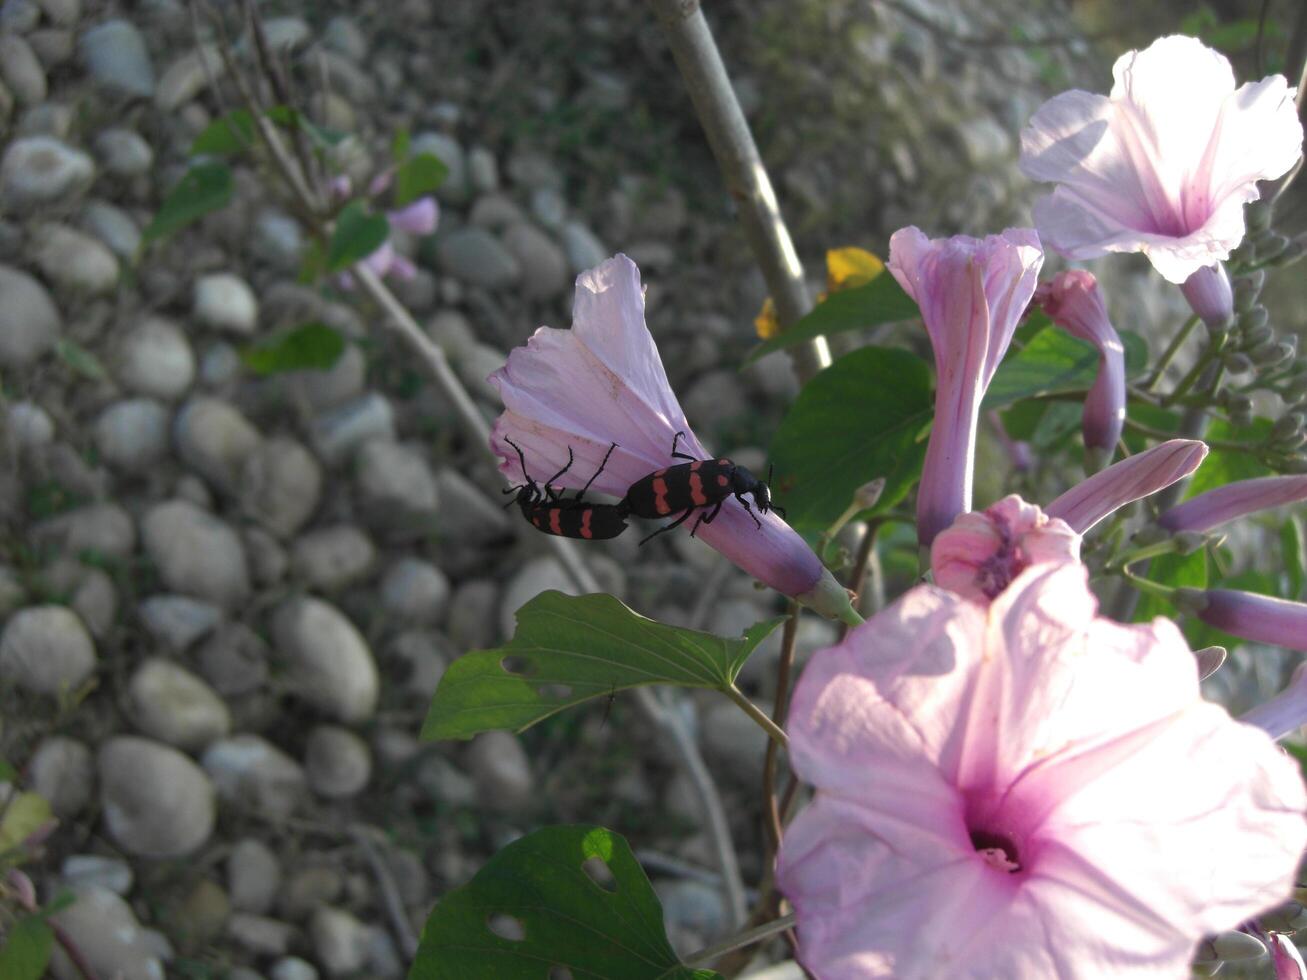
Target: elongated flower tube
x=1133, y=478
x=1260, y=618
x=1165, y=164
x=1234, y=500
x=972, y=292
x=1073, y=301
x=1025, y=790
x=1210, y=295
x=1286, y=959
x=1285, y=713
x=601, y=385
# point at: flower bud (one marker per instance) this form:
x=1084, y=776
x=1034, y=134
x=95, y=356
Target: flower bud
x=1271, y=246
x=1253, y=318
x=1258, y=215
x=1232, y=945
x=1286, y=959
x=1247, y=288
x=1273, y=354
x=1292, y=253
x=1209, y=294
x=1237, y=362
x=1296, y=387
x=868, y=495
x=1258, y=335
x=1209, y=661
x=1289, y=917
x=1286, y=426
x=1260, y=618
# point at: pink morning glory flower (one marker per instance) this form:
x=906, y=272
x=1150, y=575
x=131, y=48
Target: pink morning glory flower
x=1165, y=164
x=1025, y=790
x=419, y=217
x=1223, y=504
x=1073, y=301
x=972, y=293
x=602, y=383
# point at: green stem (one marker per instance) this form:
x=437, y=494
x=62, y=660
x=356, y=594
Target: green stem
x=1164, y=547
x=773, y=730
x=1168, y=355
x=1149, y=587
x=1162, y=434
x=1209, y=355
x=741, y=939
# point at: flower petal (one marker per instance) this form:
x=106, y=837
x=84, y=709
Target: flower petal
x=1133, y=478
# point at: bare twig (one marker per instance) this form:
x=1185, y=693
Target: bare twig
x=741, y=939
x=72, y=951
x=742, y=170
x=390, y=898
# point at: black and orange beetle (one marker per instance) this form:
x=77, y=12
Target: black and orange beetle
x=568, y=517
x=695, y=485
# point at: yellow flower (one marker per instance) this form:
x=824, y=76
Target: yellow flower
x=846, y=268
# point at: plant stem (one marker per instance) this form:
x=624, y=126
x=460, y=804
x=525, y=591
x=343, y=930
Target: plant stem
x=748, y=937
x=772, y=821
x=866, y=552
x=1222, y=444
x=1164, y=547
x=704, y=74
x=774, y=731
x=1168, y=355
x=1148, y=586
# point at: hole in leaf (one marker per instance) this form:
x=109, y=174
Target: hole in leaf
x=517, y=664
x=506, y=927
x=599, y=873
x=556, y=692
x=559, y=972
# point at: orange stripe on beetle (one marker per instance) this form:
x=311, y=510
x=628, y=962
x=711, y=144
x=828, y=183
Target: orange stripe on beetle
x=660, y=496
x=723, y=480
x=585, y=523
x=696, y=490
x=556, y=521
x=695, y=465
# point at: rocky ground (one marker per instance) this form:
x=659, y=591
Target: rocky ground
x=225, y=601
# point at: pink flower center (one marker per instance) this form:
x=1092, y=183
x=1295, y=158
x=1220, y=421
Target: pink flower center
x=996, y=572
x=996, y=850
x=1000, y=824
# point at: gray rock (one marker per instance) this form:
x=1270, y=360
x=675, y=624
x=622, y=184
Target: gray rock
x=341, y=382
x=466, y=513
x=330, y=665
x=170, y=703
x=116, y=57
x=29, y=425
x=293, y=968
x=124, y=153
x=65, y=13
x=39, y=170
x=340, y=941
x=277, y=239
x=191, y=488
x=268, y=559
x=422, y=659
x=310, y=887
x=253, y=876
x=109, y=938
x=733, y=738
x=188, y=76
x=53, y=45
x=337, y=762
x=472, y=622
x=104, y=530
x=12, y=592
x=73, y=260
x=583, y=249
x=82, y=870
x=532, y=170
x=60, y=770
x=196, y=553
x=339, y=432
x=451, y=330
x=155, y=359
x=477, y=257
x=225, y=302
x=548, y=207
x=544, y=267
x=132, y=435
x=157, y=803
x=531, y=578
x=414, y=592
x=113, y=227
x=482, y=170
x=331, y=558
x=343, y=34
x=285, y=33
x=395, y=483
x=343, y=76
x=454, y=188
x=384, y=960
x=219, y=365
x=29, y=322
x=259, y=934
x=95, y=599
x=501, y=771
x=215, y=440
x=46, y=650
x=495, y=212
x=19, y=16
x=21, y=70
x=251, y=772
x=53, y=119
x=178, y=621
x=280, y=485
x=234, y=660
x=445, y=783
x=693, y=905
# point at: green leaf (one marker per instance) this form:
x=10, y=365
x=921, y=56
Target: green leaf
x=357, y=235
x=1177, y=571
x=1223, y=466
x=311, y=347
x=27, y=949
x=1054, y=361
x=605, y=926
x=79, y=359
x=1293, y=555
x=880, y=301
x=7, y=772
x=25, y=814
x=230, y=133
x=859, y=419
x=568, y=649
x=417, y=176
x=205, y=187
x=399, y=145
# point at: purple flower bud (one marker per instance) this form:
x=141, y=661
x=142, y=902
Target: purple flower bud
x=1216, y=507
x=972, y=293
x=1286, y=958
x=1209, y=294
x=1073, y=302
x=1134, y=477
x=418, y=218
x=1261, y=618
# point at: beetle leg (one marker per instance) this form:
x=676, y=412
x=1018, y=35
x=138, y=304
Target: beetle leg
x=740, y=497
x=597, y=472
x=676, y=523
x=675, y=454
x=549, y=490
x=707, y=516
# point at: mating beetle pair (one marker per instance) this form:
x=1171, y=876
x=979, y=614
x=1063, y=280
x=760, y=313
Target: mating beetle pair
x=698, y=484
